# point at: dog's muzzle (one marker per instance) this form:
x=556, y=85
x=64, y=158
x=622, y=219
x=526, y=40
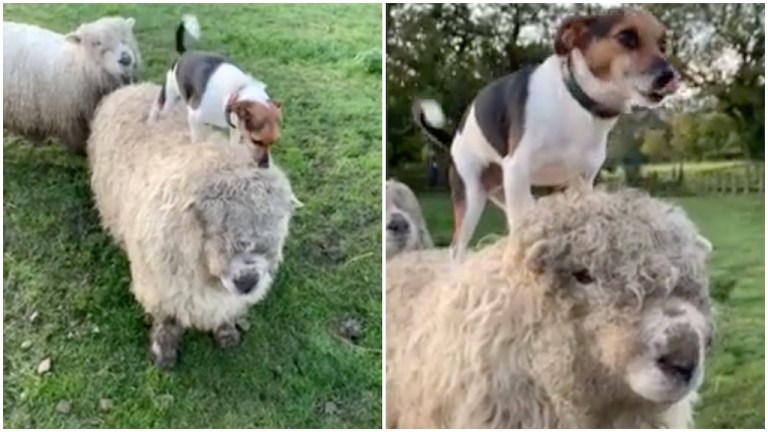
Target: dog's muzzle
x=665, y=80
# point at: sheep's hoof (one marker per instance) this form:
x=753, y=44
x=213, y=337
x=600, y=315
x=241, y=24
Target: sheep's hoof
x=163, y=357
x=227, y=336
x=164, y=347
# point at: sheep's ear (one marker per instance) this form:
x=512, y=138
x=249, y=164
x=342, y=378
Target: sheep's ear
x=74, y=37
x=130, y=21
x=544, y=254
x=705, y=244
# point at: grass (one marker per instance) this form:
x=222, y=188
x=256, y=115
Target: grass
x=66, y=285
x=733, y=395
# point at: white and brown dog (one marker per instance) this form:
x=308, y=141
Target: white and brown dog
x=219, y=93
x=547, y=125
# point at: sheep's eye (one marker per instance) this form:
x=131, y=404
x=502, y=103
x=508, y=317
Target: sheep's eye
x=259, y=143
x=96, y=43
x=629, y=39
x=582, y=276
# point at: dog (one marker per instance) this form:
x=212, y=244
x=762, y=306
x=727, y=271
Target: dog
x=547, y=125
x=216, y=92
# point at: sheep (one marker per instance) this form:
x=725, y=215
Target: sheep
x=406, y=228
x=202, y=225
x=594, y=312
x=53, y=82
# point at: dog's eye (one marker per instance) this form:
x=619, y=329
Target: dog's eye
x=582, y=276
x=663, y=45
x=629, y=39
x=259, y=143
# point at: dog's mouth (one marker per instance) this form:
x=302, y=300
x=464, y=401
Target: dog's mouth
x=658, y=94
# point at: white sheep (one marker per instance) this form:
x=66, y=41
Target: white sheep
x=202, y=225
x=52, y=83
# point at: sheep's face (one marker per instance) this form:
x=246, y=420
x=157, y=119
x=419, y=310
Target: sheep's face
x=111, y=45
x=401, y=231
x=630, y=273
x=243, y=233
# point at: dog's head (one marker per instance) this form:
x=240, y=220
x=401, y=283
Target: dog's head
x=624, y=47
x=111, y=45
x=259, y=122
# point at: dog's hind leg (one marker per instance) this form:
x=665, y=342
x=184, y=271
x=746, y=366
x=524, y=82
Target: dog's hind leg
x=227, y=336
x=197, y=129
x=517, y=187
x=168, y=99
x=165, y=339
x=469, y=197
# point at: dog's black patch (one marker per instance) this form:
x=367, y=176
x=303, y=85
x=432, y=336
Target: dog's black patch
x=500, y=109
x=193, y=71
x=603, y=24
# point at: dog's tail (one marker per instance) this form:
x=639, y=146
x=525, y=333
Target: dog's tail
x=189, y=25
x=429, y=116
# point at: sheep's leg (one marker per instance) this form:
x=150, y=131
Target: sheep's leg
x=227, y=336
x=165, y=339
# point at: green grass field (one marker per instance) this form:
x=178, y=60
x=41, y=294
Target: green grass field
x=733, y=395
x=66, y=285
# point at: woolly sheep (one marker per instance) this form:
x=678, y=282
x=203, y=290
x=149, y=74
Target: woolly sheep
x=593, y=313
x=53, y=82
x=202, y=226
x=406, y=228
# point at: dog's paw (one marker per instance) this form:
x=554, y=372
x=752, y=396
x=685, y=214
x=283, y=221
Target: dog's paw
x=227, y=336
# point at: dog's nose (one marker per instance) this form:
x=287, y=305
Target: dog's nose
x=246, y=283
x=398, y=224
x=664, y=76
x=125, y=59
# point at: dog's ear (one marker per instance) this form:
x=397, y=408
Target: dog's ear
x=571, y=30
x=241, y=110
x=277, y=103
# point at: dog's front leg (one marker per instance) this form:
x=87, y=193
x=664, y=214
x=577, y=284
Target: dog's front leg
x=517, y=187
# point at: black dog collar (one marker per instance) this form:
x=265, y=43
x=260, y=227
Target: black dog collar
x=587, y=102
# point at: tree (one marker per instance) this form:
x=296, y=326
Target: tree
x=655, y=145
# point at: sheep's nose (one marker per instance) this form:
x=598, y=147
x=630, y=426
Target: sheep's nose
x=682, y=359
x=682, y=370
x=246, y=283
x=398, y=224
x=125, y=59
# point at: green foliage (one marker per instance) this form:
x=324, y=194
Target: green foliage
x=293, y=369
x=655, y=145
